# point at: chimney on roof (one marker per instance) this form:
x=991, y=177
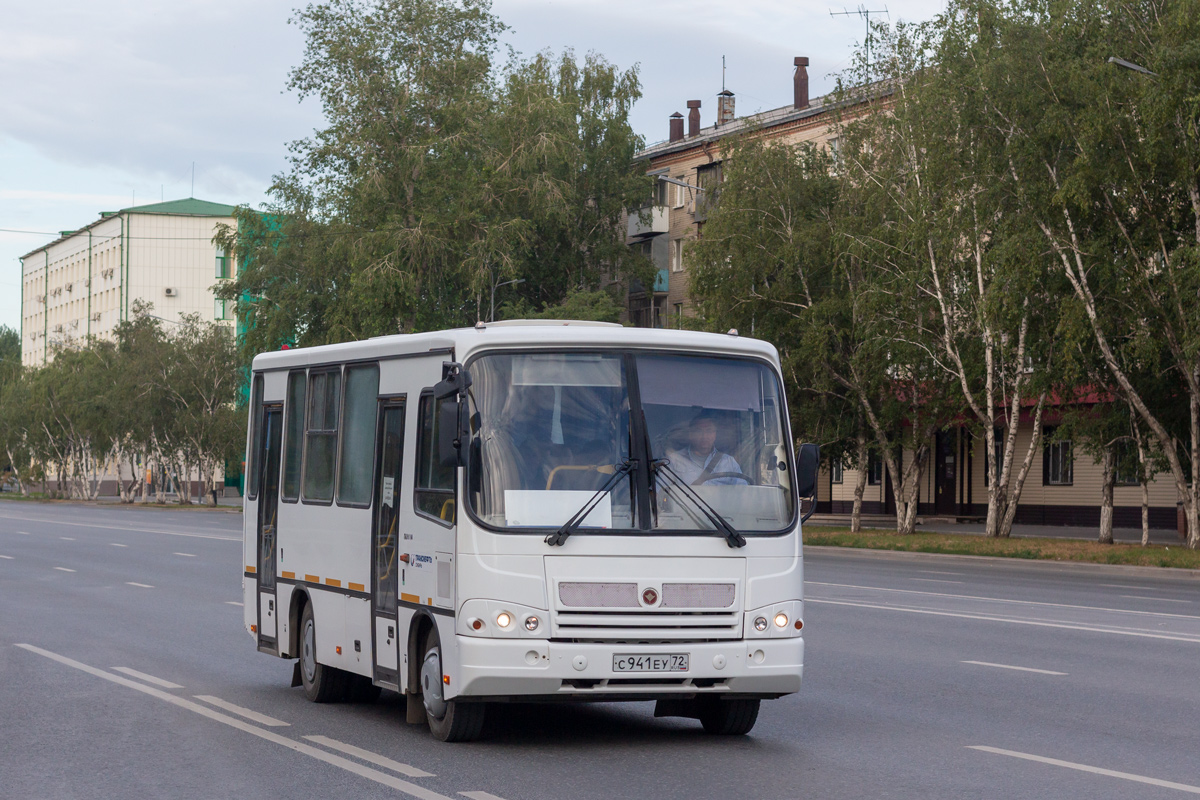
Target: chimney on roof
x=693, y=117
x=800, y=82
x=725, y=107
x=676, y=127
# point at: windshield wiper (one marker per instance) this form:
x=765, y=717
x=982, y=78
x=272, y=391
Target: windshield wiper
x=570, y=526
x=732, y=537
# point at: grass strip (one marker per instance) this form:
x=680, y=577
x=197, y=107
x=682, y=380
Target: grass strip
x=1154, y=555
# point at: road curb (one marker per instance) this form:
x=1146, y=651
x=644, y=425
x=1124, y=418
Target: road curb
x=1001, y=561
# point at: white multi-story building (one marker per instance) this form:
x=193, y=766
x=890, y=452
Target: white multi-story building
x=86, y=282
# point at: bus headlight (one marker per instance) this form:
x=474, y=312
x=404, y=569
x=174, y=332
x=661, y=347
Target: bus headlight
x=504, y=619
x=531, y=623
x=760, y=624
x=781, y=620
x=501, y=619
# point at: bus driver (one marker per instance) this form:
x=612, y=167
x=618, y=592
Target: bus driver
x=701, y=458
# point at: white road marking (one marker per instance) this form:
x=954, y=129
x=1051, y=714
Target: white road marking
x=937, y=572
x=383, y=778
x=139, y=585
x=1010, y=666
x=1124, y=586
x=24, y=533
x=7, y=558
x=374, y=758
x=115, y=544
x=253, y=716
x=148, y=678
x=66, y=538
x=1013, y=620
x=480, y=796
x=1111, y=773
x=64, y=569
x=934, y=580
x=186, y=555
x=1155, y=599
x=125, y=528
x=1004, y=600
x=232, y=603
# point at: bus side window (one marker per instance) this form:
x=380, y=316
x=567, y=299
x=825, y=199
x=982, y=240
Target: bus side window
x=322, y=434
x=293, y=446
x=434, y=490
x=356, y=462
x=255, y=456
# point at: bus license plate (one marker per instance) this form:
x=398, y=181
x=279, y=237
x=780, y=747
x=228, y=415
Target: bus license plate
x=671, y=662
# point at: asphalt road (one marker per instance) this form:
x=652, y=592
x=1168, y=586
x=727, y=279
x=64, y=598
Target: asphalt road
x=927, y=677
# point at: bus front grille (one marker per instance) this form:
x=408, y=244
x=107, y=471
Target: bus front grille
x=640, y=626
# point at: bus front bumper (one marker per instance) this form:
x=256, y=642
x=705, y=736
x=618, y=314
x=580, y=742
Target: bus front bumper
x=499, y=668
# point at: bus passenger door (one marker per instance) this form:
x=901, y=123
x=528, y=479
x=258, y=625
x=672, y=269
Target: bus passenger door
x=385, y=547
x=268, y=512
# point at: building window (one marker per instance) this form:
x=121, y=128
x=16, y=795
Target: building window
x=679, y=193
x=679, y=315
x=677, y=255
x=434, y=491
x=836, y=473
x=1125, y=453
x=874, y=470
x=320, y=452
x=222, y=264
x=219, y=309
x=660, y=195
x=1056, y=461
x=357, y=461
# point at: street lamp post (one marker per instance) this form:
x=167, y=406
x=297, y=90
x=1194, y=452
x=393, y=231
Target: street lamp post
x=495, y=286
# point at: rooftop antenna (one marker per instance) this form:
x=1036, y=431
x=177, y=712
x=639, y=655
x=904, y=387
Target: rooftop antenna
x=722, y=73
x=865, y=13
x=193, y=194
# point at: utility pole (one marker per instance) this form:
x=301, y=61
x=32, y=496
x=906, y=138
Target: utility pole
x=865, y=13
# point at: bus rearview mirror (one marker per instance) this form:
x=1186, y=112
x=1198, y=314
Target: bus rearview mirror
x=447, y=438
x=808, y=464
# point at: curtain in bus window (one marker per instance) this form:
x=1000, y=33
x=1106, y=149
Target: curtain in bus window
x=434, y=493
x=294, y=440
x=358, y=435
x=323, y=405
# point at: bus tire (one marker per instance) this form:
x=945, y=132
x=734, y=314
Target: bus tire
x=322, y=684
x=449, y=720
x=728, y=717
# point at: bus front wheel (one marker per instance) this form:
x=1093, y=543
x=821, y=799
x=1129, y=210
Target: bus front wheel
x=727, y=717
x=322, y=684
x=449, y=720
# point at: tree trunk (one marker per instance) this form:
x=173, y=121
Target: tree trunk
x=1144, y=482
x=1106, y=495
x=860, y=481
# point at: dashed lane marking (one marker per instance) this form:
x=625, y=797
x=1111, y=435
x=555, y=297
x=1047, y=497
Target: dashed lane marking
x=139, y=585
x=480, y=796
x=1111, y=773
x=374, y=758
x=148, y=678
x=233, y=603
x=118, y=544
x=383, y=778
x=185, y=555
x=66, y=538
x=1010, y=666
x=64, y=569
x=124, y=528
x=1155, y=599
x=934, y=580
x=7, y=558
x=24, y=533
x=253, y=716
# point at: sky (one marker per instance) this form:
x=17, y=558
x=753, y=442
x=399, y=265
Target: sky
x=127, y=102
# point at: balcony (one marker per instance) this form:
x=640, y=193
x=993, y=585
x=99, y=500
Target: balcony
x=661, y=284
x=658, y=221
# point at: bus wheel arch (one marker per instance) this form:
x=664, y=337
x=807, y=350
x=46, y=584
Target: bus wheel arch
x=295, y=610
x=418, y=629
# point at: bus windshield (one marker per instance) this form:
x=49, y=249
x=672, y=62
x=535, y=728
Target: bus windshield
x=551, y=429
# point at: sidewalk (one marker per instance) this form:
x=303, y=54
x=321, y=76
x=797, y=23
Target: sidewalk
x=943, y=525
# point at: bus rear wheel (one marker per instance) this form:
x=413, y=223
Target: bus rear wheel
x=322, y=684
x=727, y=717
x=449, y=720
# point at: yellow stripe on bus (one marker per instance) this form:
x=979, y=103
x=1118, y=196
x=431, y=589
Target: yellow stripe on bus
x=357, y=587
x=251, y=569
x=312, y=579
x=289, y=575
x=333, y=582
x=409, y=598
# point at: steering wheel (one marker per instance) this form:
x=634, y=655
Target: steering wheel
x=715, y=475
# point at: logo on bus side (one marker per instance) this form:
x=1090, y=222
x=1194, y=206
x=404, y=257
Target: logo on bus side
x=420, y=562
x=649, y=597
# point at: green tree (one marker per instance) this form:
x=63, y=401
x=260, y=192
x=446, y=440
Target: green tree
x=438, y=176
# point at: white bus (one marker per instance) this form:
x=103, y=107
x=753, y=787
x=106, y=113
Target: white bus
x=529, y=512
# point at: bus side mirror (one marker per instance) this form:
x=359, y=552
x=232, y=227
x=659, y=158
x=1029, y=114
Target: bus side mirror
x=447, y=432
x=808, y=464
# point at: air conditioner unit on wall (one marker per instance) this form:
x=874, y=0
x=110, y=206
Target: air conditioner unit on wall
x=171, y=292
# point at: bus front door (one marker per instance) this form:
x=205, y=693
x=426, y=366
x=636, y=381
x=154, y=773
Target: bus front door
x=385, y=550
x=268, y=512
